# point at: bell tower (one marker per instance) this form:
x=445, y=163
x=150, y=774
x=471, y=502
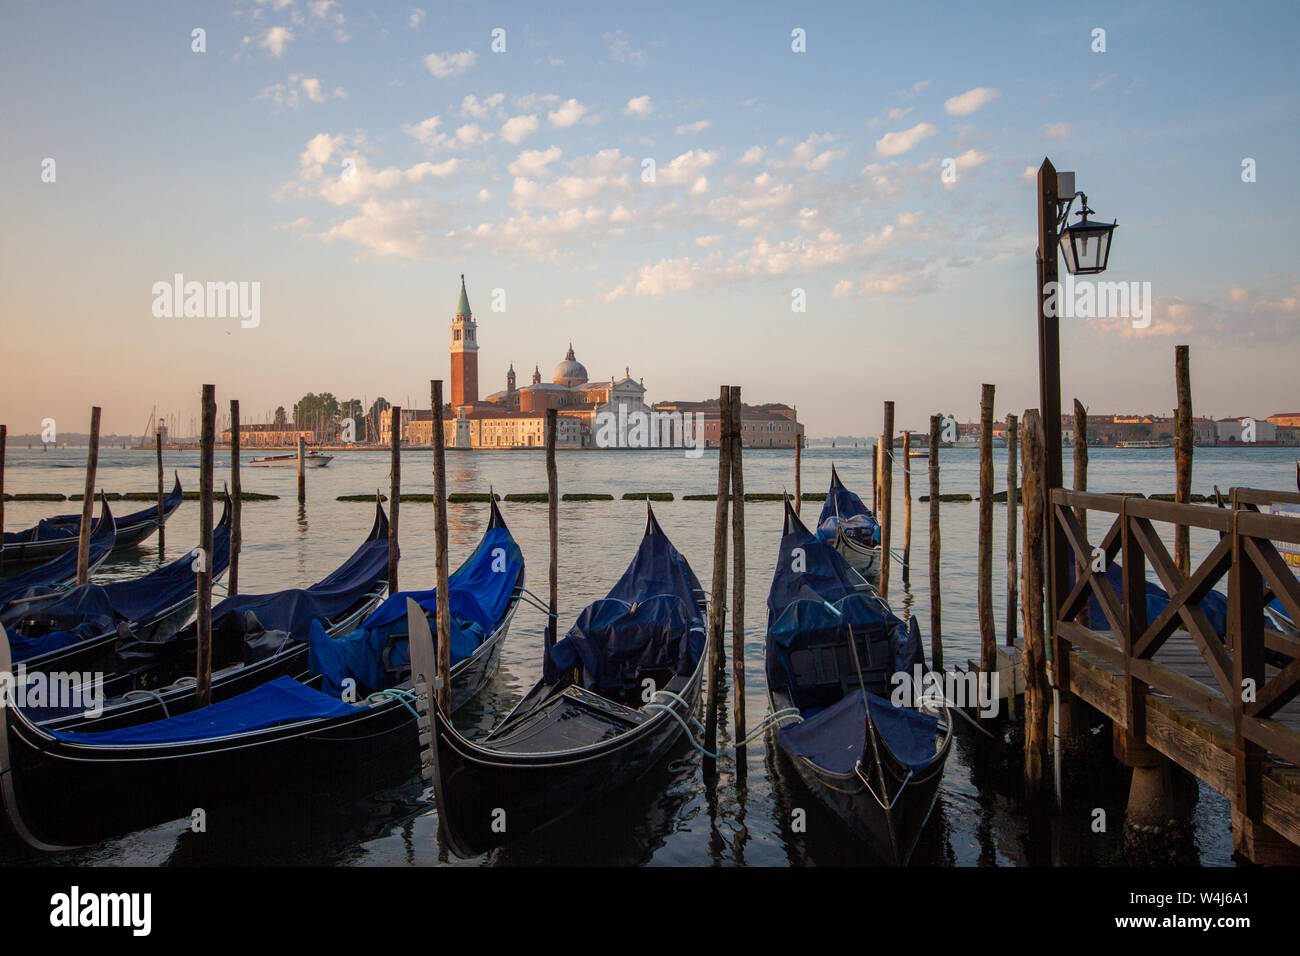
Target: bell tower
x=464, y=353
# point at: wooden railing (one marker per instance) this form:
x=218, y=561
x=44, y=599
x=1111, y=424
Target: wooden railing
x=1241, y=696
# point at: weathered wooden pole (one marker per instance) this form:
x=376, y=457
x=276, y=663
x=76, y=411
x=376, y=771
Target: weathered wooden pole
x=302, y=470
x=738, y=571
x=886, y=496
x=203, y=606
x=1034, y=658
x=236, y=504
x=798, y=472
x=875, y=479
x=552, y=525
x=1013, y=545
x=88, y=500
x=440, y=549
x=718, y=596
x=907, y=507
x=162, y=512
x=394, y=494
x=936, y=626
x=1183, y=446
x=988, y=633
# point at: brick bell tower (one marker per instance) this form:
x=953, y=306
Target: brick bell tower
x=464, y=354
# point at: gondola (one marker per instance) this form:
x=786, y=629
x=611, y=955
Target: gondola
x=59, y=628
x=63, y=788
x=51, y=537
x=62, y=569
x=833, y=648
x=613, y=699
x=311, y=460
x=255, y=638
x=849, y=525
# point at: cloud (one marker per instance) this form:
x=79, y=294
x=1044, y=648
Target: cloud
x=1102, y=80
x=752, y=156
x=292, y=93
x=809, y=156
x=417, y=17
x=1057, y=131
x=276, y=39
x=698, y=126
x=446, y=65
x=485, y=108
x=893, y=144
x=518, y=128
x=568, y=113
x=966, y=103
x=842, y=288
x=533, y=162
x=639, y=106
x=621, y=49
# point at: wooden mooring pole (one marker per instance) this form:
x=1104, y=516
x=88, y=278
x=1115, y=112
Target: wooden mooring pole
x=907, y=507
x=718, y=596
x=552, y=527
x=875, y=480
x=886, y=496
x=88, y=500
x=1183, y=446
x=443, y=695
x=302, y=470
x=1013, y=545
x=988, y=633
x=936, y=626
x=162, y=512
x=1034, y=658
x=738, y=573
x=236, y=503
x=394, y=493
x=4, y=438
x=203, y=605
x=798, y=472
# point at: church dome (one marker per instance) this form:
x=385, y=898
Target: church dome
x=570, y=372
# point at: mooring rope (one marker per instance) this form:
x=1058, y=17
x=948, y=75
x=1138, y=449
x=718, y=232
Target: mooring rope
x=149, y=693
x=784, y=713
x=399, y=694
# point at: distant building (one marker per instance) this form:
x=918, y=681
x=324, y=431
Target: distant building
x=774, y=425
x=1285, y=419
x=1232, y=431
x=271, y=435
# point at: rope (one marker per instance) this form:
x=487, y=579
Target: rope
x=148, y=693
x=783, y=714
x=402, y=696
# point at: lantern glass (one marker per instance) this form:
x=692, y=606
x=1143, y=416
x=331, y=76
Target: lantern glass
x=1085, y=246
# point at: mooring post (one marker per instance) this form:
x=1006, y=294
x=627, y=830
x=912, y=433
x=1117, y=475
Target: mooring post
x=1183, y=445
x=718, y=596
x=394, y=493
x=4, y=438
x=907, y=507
x=738, y=572
x=88, y=500
x=302, y=470
x=936, y=626
x=443, y=695
x=236, y=504
x=798, y=472
x=203, y=606
x=886, y=496
x=162, y=512
x=875, y=480
x=1013, y=545
x=988, y=633
x=552, y=526
x=1034, y=658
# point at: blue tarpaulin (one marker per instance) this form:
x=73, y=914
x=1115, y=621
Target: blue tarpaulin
x=844, y=509
x=836, y=738
x=282, y=701
x=64, y=567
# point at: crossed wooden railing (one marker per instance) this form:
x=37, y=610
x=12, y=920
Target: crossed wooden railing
x=1242, y=697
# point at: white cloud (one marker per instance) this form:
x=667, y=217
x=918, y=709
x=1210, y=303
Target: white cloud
x=968, y=102
x=533, y=162
x=292, y=93
x=699, y=126
x=485, y=108
x=639, y=106
x=446, y=65
x=568, y=113
x=842, y=288
x=1057, y=131
x=893, y=144
x=471, y=134
x=518, y=128
x=621, y=49
x=752, y=156
x=276, y=39
x=417, y=17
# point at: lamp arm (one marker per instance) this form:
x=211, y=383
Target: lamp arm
x=1064, y=216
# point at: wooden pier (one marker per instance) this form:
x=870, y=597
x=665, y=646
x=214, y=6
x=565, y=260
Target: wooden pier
x=1173, y=688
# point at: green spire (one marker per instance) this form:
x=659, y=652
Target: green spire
x=463, y=307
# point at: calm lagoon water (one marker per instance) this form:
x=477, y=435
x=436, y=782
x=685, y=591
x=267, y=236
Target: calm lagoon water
x=675, y=815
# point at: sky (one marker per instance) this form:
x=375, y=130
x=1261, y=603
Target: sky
x=828, y=205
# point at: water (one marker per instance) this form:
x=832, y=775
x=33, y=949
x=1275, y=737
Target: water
x=674, y=815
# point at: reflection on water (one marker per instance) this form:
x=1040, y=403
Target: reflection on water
x=680, y=813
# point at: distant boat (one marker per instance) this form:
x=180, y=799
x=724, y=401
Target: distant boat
x=313, y=460
x=918, y=454
x=1144, y=444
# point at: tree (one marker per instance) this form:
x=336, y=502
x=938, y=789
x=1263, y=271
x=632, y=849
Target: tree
x=281, y=417
x=377, y=408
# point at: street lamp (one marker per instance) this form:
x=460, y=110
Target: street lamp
x=1085, y=245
